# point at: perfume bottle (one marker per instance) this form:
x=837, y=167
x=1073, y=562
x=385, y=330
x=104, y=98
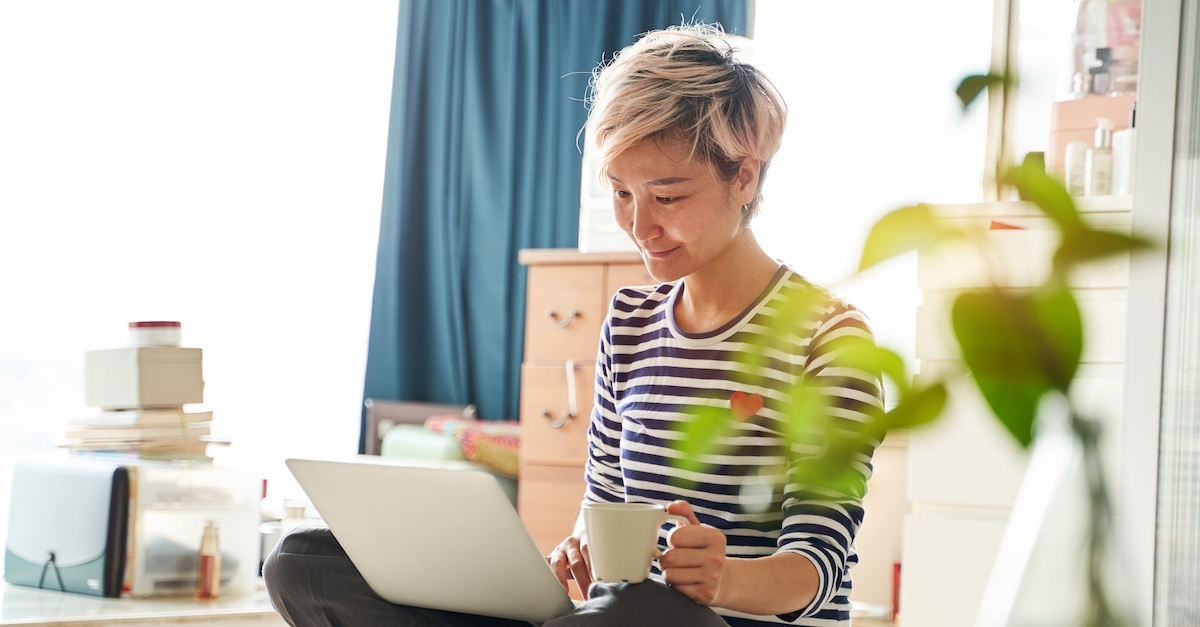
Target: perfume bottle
x=1098, y=162
x=208, y=563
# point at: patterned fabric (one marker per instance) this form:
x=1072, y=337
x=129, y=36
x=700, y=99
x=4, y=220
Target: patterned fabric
x=652, y=379
x=493, y=444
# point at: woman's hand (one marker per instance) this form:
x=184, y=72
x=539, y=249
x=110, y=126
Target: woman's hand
x=570, y=560
x=695, y=562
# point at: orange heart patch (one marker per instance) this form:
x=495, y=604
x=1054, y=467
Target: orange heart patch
x=745, y=405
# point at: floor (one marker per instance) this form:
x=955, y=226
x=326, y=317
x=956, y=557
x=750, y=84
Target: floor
x=20, y=605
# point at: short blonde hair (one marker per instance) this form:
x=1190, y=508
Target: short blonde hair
x=686, y=82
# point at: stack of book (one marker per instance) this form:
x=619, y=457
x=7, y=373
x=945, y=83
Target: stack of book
x=161, y=433
x=141, y=391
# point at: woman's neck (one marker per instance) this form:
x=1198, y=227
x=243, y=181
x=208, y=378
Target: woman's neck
x=715, y=294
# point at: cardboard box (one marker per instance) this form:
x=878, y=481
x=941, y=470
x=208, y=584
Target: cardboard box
x=143, y=377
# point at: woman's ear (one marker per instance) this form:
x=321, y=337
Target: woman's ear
x=747, y=180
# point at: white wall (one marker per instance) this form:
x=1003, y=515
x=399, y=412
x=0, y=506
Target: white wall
x=218, y=163
x=873, y=125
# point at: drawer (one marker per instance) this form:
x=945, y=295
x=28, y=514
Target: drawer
x=548, y=501
x=1104, y=319
x=936, y=545
x=942, y=471
x=547, y=436
x=1013, y=258
x=564, y=311
x=625, y=274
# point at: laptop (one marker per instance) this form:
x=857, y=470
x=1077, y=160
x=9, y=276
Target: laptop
x=438, y=535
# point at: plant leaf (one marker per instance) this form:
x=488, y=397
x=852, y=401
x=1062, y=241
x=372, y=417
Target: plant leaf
x=903, y=230
x=700, y=435
x=918, y=407
x=1088, y=244
x=879, y=361
x=1061, y=327
x=970, y=87
x=1045, y=191
x=1019, y=346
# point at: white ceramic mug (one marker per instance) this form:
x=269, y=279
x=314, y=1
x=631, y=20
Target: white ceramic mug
x=623, y=538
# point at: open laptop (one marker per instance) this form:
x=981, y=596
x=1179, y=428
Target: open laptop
x=436, y=535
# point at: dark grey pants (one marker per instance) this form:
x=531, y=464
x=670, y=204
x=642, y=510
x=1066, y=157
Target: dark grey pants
x=312, y=583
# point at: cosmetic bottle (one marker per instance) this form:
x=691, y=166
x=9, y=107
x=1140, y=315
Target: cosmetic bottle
x=1101, y=74
x=208, y=563
x=1124, y=143
x=1097, y=166
x=1074, y=157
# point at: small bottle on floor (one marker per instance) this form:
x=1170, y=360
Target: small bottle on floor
x=208, y=568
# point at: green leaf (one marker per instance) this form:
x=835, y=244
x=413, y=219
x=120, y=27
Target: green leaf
x=972, y=86
x=866, y=355
x=1088, y=244
x=701, y=433
x=918, y=407
x=1060, y=324
x=1034, y=185
x=903, y=230
x=807, y=407
x=1019, y=346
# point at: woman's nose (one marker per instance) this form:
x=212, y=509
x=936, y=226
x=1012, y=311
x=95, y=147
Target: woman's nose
x=642, y=226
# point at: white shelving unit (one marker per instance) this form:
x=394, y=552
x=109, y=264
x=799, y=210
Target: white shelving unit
x=965, y=469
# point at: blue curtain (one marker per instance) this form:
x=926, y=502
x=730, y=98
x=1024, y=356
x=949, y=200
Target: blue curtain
x=481, y=162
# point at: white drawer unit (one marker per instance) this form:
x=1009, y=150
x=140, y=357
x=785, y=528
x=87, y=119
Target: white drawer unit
x=965, y=469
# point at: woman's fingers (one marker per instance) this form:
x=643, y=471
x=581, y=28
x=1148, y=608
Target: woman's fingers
x=569, y=560
x=558, y=565
x=695, y=562
x=577, y=559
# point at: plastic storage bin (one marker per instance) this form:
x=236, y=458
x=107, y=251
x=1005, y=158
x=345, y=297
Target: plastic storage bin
x=170, y=505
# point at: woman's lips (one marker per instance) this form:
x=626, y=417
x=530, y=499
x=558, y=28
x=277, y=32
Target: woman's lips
x=658, y=254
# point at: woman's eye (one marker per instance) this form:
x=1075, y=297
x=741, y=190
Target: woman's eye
x=666, y=200
x=620, y=193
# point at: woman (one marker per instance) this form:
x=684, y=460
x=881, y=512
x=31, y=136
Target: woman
x=686, y=132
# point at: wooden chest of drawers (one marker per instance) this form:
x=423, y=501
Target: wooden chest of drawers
x=568, y=294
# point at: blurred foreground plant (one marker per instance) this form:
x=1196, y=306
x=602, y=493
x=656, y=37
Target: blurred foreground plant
x=1019, y=345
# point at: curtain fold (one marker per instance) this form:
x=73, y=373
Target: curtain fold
x=481, y=162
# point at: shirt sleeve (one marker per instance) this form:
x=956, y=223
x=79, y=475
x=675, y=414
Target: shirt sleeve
x=603, y=469
x=821, y=518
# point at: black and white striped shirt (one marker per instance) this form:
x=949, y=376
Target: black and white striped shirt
x=652, y=379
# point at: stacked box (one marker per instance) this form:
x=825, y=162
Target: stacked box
x=143, y=377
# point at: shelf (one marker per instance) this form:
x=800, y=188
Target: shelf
x=20, y=605
x=1016, y=208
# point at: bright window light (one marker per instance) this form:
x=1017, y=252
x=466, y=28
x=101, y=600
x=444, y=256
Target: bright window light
x=217, y=163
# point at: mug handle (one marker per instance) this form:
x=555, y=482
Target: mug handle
x=675, y=518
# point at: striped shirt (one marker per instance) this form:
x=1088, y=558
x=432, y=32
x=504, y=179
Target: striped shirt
x=653, y=379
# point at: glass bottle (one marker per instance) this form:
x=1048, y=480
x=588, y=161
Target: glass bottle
x=208, y=563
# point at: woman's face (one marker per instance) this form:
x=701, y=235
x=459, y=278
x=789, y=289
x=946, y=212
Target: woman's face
x=679, y=213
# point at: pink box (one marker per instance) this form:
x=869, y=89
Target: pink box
x=1076, y=119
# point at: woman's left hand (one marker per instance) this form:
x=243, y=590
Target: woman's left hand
x=694, y=563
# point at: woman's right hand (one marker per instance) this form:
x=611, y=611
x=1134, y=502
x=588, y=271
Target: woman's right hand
x=570, y=560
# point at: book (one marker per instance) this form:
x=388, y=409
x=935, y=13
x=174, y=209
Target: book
x=146, y=417
x=138, y=433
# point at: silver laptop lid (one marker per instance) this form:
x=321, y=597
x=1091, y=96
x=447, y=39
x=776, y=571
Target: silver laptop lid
x=436, y=535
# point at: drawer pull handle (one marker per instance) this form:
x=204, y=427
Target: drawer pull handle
x=573, y=409
x=565, y=321
x=556, y=423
